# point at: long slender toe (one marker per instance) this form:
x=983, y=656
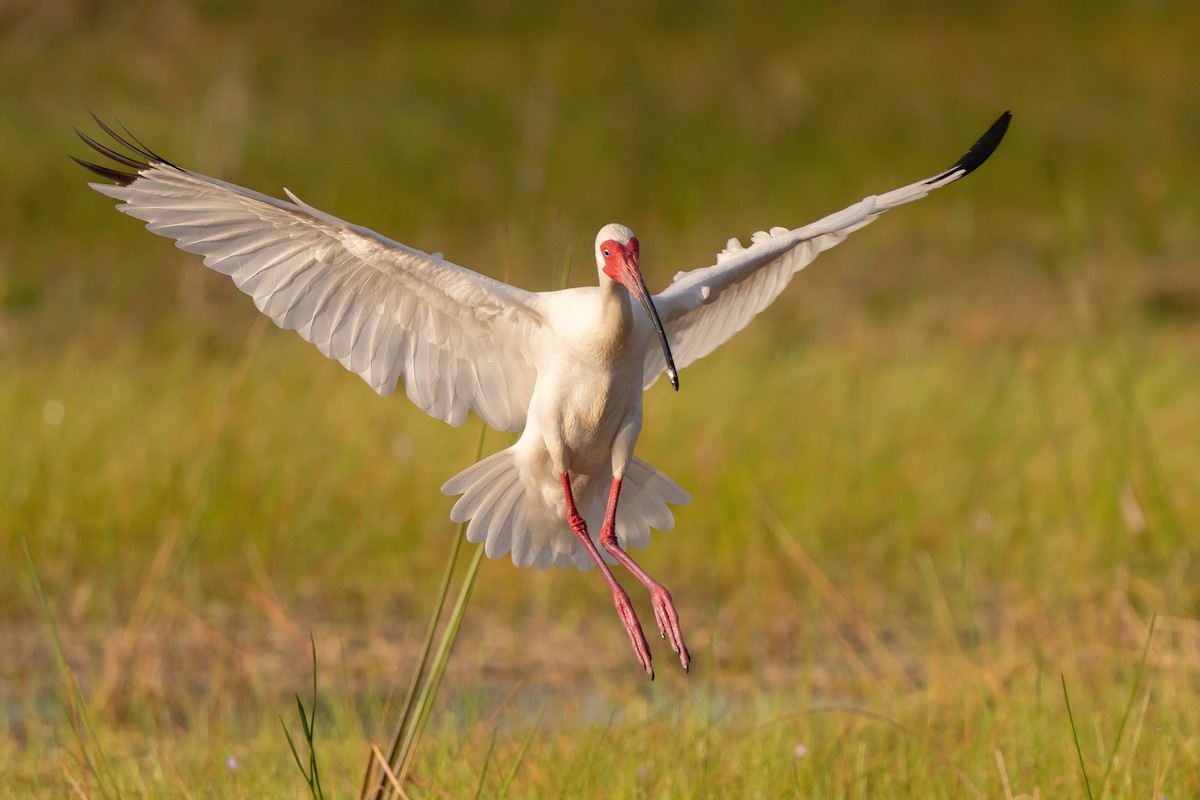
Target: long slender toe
x=634, y=628
x=668, y=623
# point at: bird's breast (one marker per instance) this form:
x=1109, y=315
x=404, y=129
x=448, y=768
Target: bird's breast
x=589, y=376
x=580, y=405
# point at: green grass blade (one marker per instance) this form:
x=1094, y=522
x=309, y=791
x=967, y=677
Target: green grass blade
x=1137, y=684
x=90, y=750
x=441, y=660
x=292, y=746
x=308, y=723
x=426, y=677
x=487, y=760
x=525, y=745
x=399, y=739
x=1075, y=735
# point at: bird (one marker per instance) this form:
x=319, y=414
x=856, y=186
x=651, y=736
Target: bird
x=567, y=369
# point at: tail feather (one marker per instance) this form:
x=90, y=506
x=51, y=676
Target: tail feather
x=500, y=534
x=510, y=512
x=474, y=484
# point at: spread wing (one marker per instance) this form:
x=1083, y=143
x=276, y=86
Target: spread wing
x=701, y=309
x=459, y=340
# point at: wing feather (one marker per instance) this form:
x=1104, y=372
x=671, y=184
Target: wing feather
x=386, y=311
x=703, y=308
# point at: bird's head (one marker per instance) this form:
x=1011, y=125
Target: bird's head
x=617, y=253
x=617, y=259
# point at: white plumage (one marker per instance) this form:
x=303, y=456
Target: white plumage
x=565, y=368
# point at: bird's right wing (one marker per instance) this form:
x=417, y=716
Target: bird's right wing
x=459, y=340
x=701, y=309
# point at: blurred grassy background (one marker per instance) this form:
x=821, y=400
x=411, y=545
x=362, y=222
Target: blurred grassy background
x=955, y=462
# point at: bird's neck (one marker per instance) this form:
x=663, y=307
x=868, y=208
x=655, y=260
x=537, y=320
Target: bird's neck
x=614, y=320
x=616, y=305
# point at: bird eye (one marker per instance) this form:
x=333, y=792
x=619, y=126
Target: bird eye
x=606, y=252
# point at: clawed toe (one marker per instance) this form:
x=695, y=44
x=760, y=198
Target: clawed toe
x=668, y=623
x=634, y=628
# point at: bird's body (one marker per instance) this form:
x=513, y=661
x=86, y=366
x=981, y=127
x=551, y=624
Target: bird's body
x=566, y=368
x=585, y=413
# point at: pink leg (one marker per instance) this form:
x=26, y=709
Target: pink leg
x=620, y=599
x=660, y=598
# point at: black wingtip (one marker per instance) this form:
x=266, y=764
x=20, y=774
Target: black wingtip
x=138, y=158
x=115, y=175
x=981, y=150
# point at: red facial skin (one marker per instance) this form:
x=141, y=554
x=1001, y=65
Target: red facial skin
x=621, y=261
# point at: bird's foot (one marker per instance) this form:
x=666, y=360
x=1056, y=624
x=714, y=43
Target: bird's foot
x=668, y=622
x=634, y=628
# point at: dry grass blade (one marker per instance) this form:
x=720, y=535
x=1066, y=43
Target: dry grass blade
x=837, y=602
x=180, y=534
x=386, y=769
x=1003, y=770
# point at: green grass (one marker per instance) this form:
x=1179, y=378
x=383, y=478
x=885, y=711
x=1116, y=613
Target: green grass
x=950, y=473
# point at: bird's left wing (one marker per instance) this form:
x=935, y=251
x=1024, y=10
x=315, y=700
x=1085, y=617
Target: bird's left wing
x=459, y=340
x=701, y=309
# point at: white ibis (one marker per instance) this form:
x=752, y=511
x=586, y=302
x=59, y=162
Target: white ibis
x=566, y=368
